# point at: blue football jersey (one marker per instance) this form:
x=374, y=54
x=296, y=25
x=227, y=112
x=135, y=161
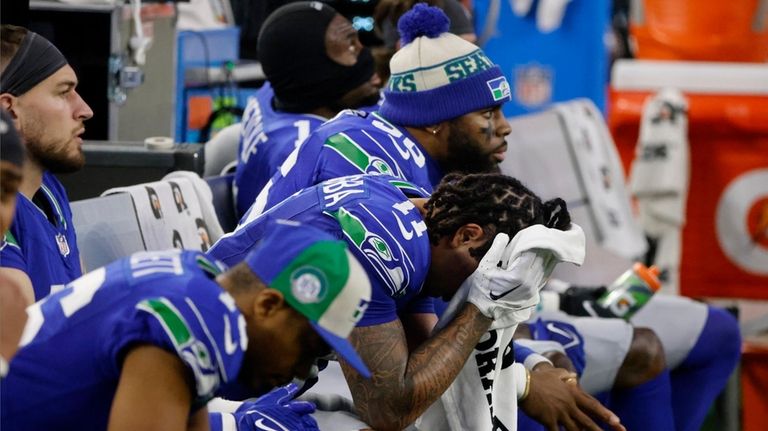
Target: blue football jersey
x=46, y=252
x=352, y=143
x=65, y=374
x=382, y=227
x=266, y=140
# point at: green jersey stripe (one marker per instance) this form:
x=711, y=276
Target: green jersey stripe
x=351, y=225
x=170, y=318
x=10, y=239
x=206, y=265
x=350, y=150
x=404, y=185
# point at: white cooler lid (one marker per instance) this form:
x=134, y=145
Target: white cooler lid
x=690, y=77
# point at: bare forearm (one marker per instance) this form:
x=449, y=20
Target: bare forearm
x=403, y=384
x=155, y=383
x=22, y=280
x=436, y=363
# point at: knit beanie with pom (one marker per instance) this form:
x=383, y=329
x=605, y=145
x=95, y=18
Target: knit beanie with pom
x=436, y=75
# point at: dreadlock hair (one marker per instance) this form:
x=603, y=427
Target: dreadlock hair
x=496, y=202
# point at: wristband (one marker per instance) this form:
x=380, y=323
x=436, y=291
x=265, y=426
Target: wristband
x=535, y=359
x=540, y=346
x=222, y=422
x=220, y=405
x=528, y=355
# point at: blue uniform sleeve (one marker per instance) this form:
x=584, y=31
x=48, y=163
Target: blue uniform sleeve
x=421, y=305
x=11, y=255
x=297, y=172
x=267, y=140
x=208, y=337
x=325, y=156
x=382, y=308
x=394, y=287
x=355, y=152
x=248, y=170
x=522, y=352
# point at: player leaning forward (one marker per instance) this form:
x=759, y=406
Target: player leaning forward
x=145, y=342
x=413, y=249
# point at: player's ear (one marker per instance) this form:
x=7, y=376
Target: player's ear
x=468, y=234
x=268, y=302
x=435, y=129
x=8, y=102
x=420, y=203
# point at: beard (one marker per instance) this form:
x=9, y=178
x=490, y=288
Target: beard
x=52, y=156
x=56, y=161
x=466, y=155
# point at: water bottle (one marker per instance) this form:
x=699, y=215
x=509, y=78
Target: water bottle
x=630, y=292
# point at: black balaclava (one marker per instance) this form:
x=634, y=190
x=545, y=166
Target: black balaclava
x=35, y=60
x=292, y=53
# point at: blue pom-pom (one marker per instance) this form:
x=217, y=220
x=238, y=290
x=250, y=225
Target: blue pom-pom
x=422, y=20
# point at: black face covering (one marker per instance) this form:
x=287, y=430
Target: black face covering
x=292, y=53
x=36, y=60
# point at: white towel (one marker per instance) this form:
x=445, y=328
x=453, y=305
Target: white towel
x=561, y=246
x=483, y=395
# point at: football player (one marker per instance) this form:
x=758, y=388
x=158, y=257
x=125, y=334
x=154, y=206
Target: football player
x=145, y=342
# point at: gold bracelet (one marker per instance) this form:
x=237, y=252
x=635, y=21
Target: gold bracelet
x=527, y=385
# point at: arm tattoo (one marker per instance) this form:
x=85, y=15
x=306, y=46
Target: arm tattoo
x=404, y=384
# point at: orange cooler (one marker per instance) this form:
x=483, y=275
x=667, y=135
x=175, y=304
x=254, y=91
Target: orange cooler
x=702, y=30
x=754, y=380
x=725, y=239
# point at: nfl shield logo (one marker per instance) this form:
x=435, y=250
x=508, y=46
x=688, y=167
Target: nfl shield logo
x=533, y=85
x=61, y=240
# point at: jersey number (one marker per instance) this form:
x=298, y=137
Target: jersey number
x=418, y=226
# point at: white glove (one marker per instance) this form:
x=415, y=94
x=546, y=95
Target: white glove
x=528, y=271
x=487, y=274
x=496, y=286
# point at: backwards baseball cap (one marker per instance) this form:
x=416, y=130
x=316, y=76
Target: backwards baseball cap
x=436, y=75
x=319, y=278
x=35, y=60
